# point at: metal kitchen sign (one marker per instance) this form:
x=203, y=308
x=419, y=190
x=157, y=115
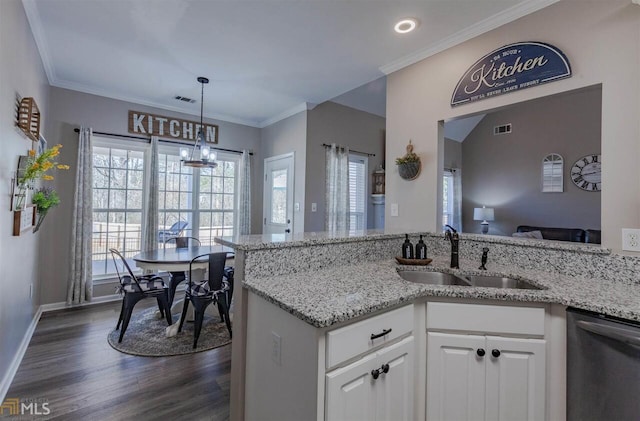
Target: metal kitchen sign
x=511, y=68
x=175, y=128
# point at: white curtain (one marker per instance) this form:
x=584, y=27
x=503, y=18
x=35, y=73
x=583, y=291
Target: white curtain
x=244, y=188
x=150, y=223
x=80, y=286
x=456, y=220
x=337, y=189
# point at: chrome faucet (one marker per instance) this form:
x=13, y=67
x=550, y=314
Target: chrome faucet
x=452, y=235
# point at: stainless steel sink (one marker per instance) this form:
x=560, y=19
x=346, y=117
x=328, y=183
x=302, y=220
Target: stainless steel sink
x=432, y=278
x=499, y=282
x=442, y=278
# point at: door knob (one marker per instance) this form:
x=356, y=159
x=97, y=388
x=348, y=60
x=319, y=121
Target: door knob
x=480, y=352
x=287, y=230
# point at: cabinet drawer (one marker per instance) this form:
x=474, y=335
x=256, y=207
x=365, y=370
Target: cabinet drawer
x=355, y=339
x=486, y=318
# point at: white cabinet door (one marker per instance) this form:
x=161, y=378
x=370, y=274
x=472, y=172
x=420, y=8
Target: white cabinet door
x=515, y=379
x=394, y=389
x=455, y=377
x=350, y=393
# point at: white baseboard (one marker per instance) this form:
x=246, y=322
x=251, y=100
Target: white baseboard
x=17, y=359
x=96, y=300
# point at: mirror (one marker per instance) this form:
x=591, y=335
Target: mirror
x=496, y=160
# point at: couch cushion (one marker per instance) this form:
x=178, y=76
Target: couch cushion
x=560, y=234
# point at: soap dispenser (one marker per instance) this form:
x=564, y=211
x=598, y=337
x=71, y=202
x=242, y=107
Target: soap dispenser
x=407, y=248
x=421, y=249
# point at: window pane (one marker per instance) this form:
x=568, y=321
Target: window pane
x=135, y=180
x=279, y=197
x=100, y=198
x=228, y=202
x=100, y=178
x=229, y=184
x=205, y=201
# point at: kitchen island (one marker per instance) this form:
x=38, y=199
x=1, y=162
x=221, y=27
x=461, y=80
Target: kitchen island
x=320, y=284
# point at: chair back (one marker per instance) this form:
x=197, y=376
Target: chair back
x=178, y=227
x=216, y=269
x=182, y=242
x=122, y=267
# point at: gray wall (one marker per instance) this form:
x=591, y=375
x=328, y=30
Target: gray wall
x=21, y=73
x=285, y=136
x=505, y=171
x=452, y=154
x=70, y=109
x=334, y=123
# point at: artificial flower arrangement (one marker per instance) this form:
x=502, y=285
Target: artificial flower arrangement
x=40, y=168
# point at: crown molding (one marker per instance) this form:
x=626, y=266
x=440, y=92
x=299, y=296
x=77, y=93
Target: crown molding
x=33, y=17
x=508, y=15
x=287, y=113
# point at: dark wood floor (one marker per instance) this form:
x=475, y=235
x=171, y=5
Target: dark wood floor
x=70, y=364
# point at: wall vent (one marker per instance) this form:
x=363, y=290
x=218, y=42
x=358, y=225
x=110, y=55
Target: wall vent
x=504, y=129
x=184, y=99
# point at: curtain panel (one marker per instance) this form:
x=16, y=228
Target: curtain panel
x=244, y=193
x=337, y=189
x=150, y=222
x=80, y=285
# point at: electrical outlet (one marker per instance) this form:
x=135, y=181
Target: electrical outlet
x=631, y=239
x=394, y=209
x=314, y=207
x=296, y=206
x=276, y=348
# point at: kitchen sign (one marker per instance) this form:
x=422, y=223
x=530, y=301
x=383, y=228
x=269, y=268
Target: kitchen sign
x=170, y=127
x=511, y=68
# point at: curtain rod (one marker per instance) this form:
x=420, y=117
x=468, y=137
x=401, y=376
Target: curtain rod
x=146, y=139
x=350, y=150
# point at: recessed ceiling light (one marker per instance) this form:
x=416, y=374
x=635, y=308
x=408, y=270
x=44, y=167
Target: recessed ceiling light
x=406, y=25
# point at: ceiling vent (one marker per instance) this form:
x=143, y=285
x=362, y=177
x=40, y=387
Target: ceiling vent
x=504, y=129
x=184, y=99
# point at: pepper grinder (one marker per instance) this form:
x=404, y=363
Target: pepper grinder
x=483, y=261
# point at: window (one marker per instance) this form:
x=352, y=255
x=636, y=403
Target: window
x=358, y=192
x=552, y=168
x=118, y=184
x=205, y=198
x=447, y=198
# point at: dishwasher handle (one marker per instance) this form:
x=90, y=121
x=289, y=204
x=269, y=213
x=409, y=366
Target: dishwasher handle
x=615, y=333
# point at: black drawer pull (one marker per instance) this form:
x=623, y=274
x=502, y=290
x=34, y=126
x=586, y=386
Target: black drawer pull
x=381, y=334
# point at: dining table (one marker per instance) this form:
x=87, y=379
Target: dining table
x=172, y=259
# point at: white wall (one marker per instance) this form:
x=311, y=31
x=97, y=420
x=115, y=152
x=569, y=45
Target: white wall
x=21, y=73
x=601, y=40
x=285, y=136
x=70, y=109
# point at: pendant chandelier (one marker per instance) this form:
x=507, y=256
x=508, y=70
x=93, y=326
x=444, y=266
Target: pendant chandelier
x=207, y=158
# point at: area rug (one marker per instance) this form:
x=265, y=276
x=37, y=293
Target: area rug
x=145, y=335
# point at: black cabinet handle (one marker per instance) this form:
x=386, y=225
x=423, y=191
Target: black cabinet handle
x=495, y=353
x=384, y=368
x=380, y=335
x=480, y=352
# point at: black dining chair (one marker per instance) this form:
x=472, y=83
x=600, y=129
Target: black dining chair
x=135, y=288
x=212, y=290
x=177, y=277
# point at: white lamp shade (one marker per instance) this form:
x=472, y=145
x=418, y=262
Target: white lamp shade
x=483, y=214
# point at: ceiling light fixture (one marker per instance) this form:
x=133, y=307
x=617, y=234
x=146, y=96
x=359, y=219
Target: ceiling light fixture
x=406, y=25
x=207, y=158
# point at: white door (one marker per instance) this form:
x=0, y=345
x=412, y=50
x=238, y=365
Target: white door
x=351, y=391
x=515, y=379
x=278, y=194
x=394, y=389
x=455, y=377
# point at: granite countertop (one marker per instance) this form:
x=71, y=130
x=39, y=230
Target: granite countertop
x=332, y=295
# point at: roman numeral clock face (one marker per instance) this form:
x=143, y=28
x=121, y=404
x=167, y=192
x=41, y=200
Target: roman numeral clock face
x=587, y=174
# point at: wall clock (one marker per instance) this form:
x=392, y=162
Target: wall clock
x=587, y=174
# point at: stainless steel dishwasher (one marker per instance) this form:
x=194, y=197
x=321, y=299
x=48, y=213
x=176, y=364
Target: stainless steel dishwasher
x=603, y=367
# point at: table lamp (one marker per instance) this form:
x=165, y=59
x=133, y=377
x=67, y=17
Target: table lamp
x=483, y=214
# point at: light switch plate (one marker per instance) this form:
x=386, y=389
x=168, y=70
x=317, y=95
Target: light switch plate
x=394, y=209
x=314, y=207
x=630, y=239
x=296, y=206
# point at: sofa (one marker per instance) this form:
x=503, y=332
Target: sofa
x=576, y=235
